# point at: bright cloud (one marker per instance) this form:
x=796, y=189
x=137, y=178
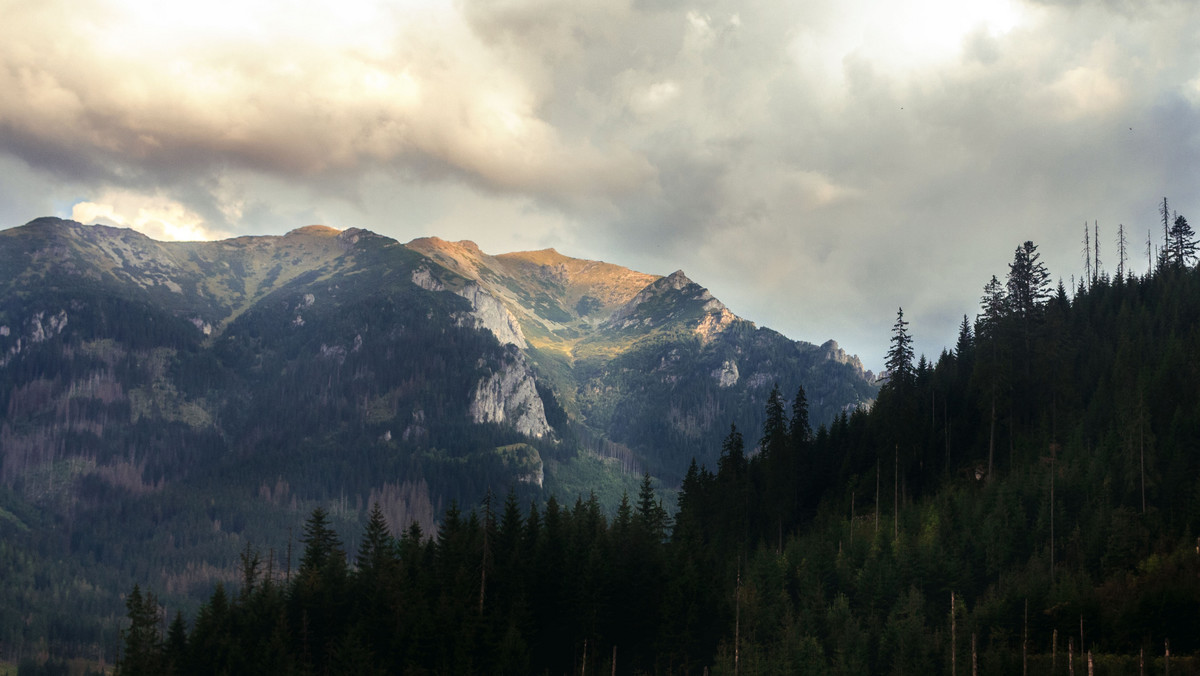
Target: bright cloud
x=334, y=88
x=154, y=216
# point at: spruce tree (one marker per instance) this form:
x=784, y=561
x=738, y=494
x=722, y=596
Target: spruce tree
x=899, y=360
x=774, y=437
x=964, y=347
x=322, y=547
x=800, y=428
x=143, y=649
x=1183, y=243
x=376, y=553
x=1028, y=282
x=1164, y=255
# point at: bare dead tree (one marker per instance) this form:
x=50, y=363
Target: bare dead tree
x=1087, y=254
x=953, y=645
x=1122, y=252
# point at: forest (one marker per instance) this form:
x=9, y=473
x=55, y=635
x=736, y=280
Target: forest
x=1026, y=502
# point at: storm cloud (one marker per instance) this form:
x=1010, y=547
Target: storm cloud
x=816, y=165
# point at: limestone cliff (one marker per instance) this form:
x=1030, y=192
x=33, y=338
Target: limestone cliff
x=509, y=397
x=491, y=314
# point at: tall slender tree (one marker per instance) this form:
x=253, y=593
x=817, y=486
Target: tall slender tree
x=1122, y=251
x=899, y=360
x=1087, y=254
x=1165, y=213
x=988, y=333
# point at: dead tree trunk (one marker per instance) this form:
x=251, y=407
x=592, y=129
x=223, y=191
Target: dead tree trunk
x=953, y=653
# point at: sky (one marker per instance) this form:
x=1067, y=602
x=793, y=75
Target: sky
x=817, y=164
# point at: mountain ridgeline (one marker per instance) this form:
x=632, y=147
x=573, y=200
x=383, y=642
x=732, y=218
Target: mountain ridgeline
x=1025, y=503
x=167, y=404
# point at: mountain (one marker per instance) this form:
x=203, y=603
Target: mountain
x=627, y=352
x=169, y=404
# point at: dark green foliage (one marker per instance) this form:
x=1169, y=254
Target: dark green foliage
x=899, y=360
x=1182, y=244
x=143, y=653
x=183, y=402
x=1044, y=473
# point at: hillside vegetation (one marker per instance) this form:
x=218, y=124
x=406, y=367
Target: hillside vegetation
x=167, y=404
x=1025, y=503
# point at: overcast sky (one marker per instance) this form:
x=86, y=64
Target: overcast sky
x=815, y=163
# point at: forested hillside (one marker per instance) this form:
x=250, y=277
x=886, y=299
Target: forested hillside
x=166, y=404
x=1025, y=502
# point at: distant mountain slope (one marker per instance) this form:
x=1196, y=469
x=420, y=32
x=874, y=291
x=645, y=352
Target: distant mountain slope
x=167, y=403
x=650, y=366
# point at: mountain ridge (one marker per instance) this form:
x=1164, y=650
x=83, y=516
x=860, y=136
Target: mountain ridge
x=203, y=394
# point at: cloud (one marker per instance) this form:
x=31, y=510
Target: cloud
x=154, y=216
x=815, y=164
x=161, y=95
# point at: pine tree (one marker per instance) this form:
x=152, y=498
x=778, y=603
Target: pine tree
x=143, y=649
x=774, y=438
x=1028, y=282
x=175, y=649
x=1183, y=243
x=994, y=304
x=1164, y=255
x=650, y=517
x=322, y=546
x=899, y=360
x=376, y=553
x=964, y=347
x=800, y=428
x=988, y=334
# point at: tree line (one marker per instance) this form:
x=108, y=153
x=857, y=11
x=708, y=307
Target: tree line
x=1027, y=502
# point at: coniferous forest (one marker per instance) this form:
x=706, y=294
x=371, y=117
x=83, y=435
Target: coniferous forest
x=1027, y=502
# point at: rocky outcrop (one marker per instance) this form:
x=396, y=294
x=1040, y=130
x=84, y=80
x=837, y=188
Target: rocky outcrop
x=423, y=278
x=716, y=321
x=39, y=328
x=727, y=375
x=834, y=352
x=489, y=313
x=509, y=397
x=676, y=281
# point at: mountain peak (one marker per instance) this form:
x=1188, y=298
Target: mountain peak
x=315, y=230
x=677, y=280
x=49, y=221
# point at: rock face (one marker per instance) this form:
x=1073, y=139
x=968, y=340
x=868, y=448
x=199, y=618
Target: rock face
x=40, y=329
x=491, y=314
x=727, y=375
x=510, y=397
x=834, y=352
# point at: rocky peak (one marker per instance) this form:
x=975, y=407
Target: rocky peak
x=676, y=280
x=834, y=352
x=350, y=237
x=681, y=294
